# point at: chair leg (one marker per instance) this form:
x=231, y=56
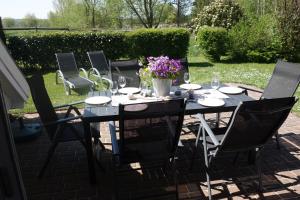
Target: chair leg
x=50, y=153
x=174, y=172
x=257, y=165
x=206, y=163
x=196, y=145
x=193, y=158
x=218, y=115
x=115, y=191
x=277, y=140
x=208, y=185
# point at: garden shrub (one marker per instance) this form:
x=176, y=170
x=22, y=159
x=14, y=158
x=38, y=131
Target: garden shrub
x=255, y=40
x=157, y=42
x=36, y=51
x=213, y=41
x=219, y=13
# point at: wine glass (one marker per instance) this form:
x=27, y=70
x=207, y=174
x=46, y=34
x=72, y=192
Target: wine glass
x=122, y=81
x=186, y=77
x=143, y=88
x=114, y=87
x=215, y=82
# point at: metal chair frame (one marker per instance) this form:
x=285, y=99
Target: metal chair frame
x=69, y=85
x=220, y=145
x=118, y=150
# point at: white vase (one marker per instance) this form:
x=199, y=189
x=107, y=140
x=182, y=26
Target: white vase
x=162, y=87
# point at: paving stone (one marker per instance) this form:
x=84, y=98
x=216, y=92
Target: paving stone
x=67, y=174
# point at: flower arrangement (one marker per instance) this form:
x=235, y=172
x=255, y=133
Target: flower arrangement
x=159, y=73
x=163, y=67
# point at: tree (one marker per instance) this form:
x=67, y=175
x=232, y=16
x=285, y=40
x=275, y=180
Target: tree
x=69, y=13
x=258, y=7
x=116, y=13
x=9, y=22
x=222, y=13
x=29, y=20
x=90, y=9
x=182, y=8
x=149, y=12
x=198, y=6
x=288, y=18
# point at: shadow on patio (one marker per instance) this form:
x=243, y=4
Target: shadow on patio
x=67, y=173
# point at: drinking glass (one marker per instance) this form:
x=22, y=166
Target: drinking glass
x=114, y=87
x=143, y=88
x=186, y=77
x=215, y=82
x=122, y=81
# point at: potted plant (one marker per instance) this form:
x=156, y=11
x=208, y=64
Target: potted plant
x=162, y=70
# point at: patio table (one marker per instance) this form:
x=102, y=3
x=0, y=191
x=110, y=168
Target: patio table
x=108, y=112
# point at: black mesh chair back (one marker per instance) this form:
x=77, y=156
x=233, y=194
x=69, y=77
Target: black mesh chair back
x=67, y=64
x=43, y=103
x=254, y=122
x=127, y=68
x=145, y=130
x=99, y=62
x=185, y=68
x=284, y=81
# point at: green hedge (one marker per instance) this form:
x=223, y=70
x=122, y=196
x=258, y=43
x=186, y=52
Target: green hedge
x=213, y=41
x=156, y=42
x=36, y=51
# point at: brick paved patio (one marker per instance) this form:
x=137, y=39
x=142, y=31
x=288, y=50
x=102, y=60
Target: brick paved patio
x=67, y=173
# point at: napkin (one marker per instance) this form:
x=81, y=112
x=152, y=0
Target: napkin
x=211, y=93
x=123, y=99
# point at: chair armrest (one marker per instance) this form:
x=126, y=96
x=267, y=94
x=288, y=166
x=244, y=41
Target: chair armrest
x=59, y=74
x=113, y=136
x=63, y=120
x=250, y=89
x=208, y=130
x=84, y=71
x=110, y=83
x=93, y=71
x=69, y=104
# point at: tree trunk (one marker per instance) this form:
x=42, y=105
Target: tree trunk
x=93, y=18
x=178, y=13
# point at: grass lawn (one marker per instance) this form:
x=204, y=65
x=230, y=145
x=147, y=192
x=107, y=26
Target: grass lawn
x=200, y=69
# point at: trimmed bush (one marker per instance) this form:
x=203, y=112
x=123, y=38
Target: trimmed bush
x=157, y=42
x=36, y=51
x=213, y=41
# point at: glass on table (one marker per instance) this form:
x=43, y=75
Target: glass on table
x=114, y=87
x=143, y=88
x=186, y=77
x=215, y=81
x=122, y=81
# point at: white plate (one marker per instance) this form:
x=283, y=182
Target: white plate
x=129, y=90
x=211, y=102
x=231, y=90
x=97, y=100
x=190, y=86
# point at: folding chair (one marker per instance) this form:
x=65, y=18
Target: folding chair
x=251, y=126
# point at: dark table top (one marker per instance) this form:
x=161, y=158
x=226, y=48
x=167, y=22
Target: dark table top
x=111, y=113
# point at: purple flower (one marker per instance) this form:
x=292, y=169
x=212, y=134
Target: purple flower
x=164, y=67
